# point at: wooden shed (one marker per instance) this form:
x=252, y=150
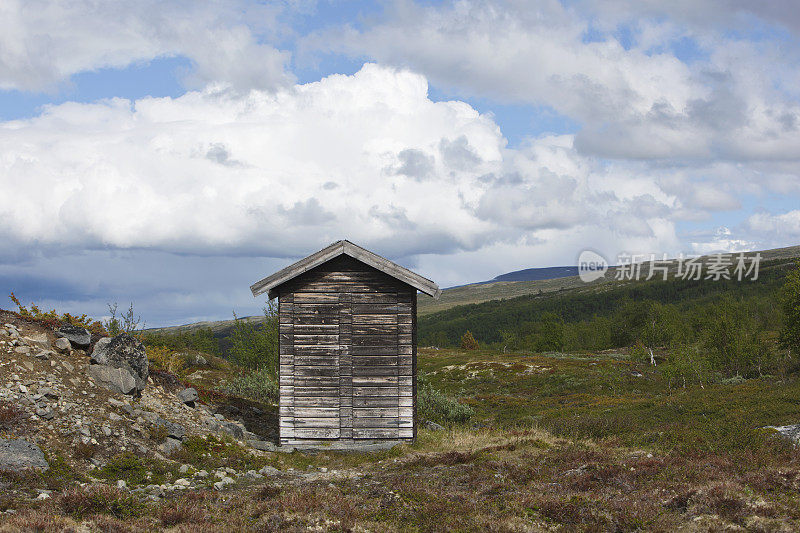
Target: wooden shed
x=348, y=347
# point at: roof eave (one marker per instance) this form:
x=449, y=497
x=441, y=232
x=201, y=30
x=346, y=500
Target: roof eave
x=270, y=283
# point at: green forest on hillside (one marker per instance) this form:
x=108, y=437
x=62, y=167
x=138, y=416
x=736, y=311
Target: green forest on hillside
x=728, y=325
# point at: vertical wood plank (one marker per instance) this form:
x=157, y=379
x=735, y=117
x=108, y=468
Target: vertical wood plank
x=345, y=364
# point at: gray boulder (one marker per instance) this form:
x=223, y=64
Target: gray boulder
x=188, y=396
x=433, y=426
x=62, y=344
x=232, y=429
x=176, y=431
x=19, y=454
x=79, y=337
x=169, y=446
x=263, y=445
x=123, y=352
x=116, y=379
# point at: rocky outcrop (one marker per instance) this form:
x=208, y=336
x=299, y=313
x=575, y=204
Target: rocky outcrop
x=19, y=454
x=115, y=379
x=77, y=336
x=125, y=354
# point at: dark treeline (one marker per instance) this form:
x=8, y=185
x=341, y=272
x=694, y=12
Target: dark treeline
x=728, y=326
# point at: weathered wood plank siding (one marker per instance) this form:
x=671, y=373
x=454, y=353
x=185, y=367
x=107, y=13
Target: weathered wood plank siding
x=348, y=354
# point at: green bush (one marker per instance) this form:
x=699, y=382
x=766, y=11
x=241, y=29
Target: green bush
x=133, y=469
x=258, y=385
x=255, y=345
x=437, y=407
x=201, y=340
x=468, y=342
x=790, y=301
x=100, y=499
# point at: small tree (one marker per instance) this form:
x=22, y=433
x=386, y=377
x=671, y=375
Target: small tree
x=255, y=346
x=790, y=302
x=468, y=342
x=127, y=322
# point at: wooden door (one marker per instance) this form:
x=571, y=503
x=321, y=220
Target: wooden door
x=316, y=367
x=375, y=366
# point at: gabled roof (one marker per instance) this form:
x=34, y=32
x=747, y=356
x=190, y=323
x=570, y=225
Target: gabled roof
x=336, y=249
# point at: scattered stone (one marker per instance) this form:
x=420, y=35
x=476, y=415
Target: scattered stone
x=263, y=445
x=433, y=426
x=232, y=429
x=68, y=367
x=176, y=431
x=188, y=396
x=123, y=352
x=22, y=350
x=269, y=471
x=42, y=496
x=77, y=336
x=115, y=379
x=121, y=485
x=252, y=474
x=44, y=355
x=45, y=413
x=39, y=341
x=49, y=393
x=183, y=469
x=224, y=482
x=200, y=361
x=169, y=446
x=62, y=345
x=201, y=474
x=19, y=454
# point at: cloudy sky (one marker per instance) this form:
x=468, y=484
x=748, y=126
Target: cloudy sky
x=171, y=153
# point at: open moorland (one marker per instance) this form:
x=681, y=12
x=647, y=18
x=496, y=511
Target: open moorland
x=639, y=406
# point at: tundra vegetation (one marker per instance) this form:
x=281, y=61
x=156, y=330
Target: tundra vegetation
x=557, y=420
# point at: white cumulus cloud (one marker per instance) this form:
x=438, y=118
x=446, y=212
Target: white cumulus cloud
x=277, y=174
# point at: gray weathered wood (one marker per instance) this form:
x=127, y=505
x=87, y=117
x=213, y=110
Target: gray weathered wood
x=347, y=355
x=345, y=247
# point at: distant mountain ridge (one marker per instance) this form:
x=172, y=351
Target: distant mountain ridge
x=509, y=285
x=538, y=274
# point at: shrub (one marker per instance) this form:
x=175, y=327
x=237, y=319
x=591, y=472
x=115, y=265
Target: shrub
x=790, y=302
x=158, y=433
x=254, y=345
x=201, y=340
x=468, y=342
x=83, y=501
x=134, y=470
x=84, y=451
x=258, y=385
x=127, y=322
x=437, y=407
x=52, y=318
x=164, y=358
x=11, y=416
x=211, y=452
x=181, y=512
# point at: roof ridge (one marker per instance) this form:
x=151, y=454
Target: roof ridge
x=335, y=249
